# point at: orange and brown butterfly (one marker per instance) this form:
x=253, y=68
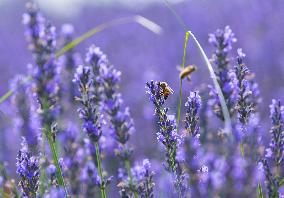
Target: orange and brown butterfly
x=186, y=72
x=166, y=89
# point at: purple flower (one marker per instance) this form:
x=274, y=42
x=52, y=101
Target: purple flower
x=246, y=104
x=277, y=132
x=272, y=162
x=145, y=182
x=45, y=74
x=222, y=40
x=193, y=106
x=28, y=170
x=167, y=135
x=106, y=83
x=88, y=111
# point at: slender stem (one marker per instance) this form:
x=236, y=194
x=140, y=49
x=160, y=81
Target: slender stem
x=128, y=169
x=52, y=146
x=259, y=189
x=103, y=190
x=242, y=149
x=42, y=169
x=180, y=80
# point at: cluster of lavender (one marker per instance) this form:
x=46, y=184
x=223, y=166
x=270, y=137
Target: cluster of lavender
x=121, y=125
x=168, y=136
x=42, y=42
x=192, y=145
x=45, y=76
x=91, y=119
x=200, y=167
x=28, y=170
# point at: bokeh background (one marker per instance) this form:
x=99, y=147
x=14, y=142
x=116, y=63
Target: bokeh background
x=143, y=56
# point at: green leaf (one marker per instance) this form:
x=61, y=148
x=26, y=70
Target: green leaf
x=259, y=189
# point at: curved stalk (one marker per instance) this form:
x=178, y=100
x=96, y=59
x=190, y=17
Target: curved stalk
x=98, y=158
x=144, y=22
x=180, y=80
x=227, y=118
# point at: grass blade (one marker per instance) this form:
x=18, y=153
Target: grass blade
x=259, y=189
x=227, y=118
x=180, y=81
x=144, y=22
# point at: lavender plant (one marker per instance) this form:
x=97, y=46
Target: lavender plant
x=145, y=180
x=168, y=136
x=245, y=103
x=192, y=147
x=41, y=37
x=222, y=40
x=106, y=89
x=91, y=119
x=200, y=161
x=272, y=162
x=28, y=170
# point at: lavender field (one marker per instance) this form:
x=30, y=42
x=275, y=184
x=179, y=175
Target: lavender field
x=142, y=99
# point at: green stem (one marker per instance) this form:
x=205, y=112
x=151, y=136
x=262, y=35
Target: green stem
x=42, y=169
x=103, y=190
x=128, y=169
x=242, y=149
x=180, y=80
x=52, y=145
x=259, y=189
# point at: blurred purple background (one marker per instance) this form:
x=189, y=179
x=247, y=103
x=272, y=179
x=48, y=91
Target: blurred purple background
x=143, y=56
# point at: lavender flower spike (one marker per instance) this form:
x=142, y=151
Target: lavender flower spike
x=273, y=160
x=28, y=170
x=245, y=105
x=88, y=111
x=277, y=131
x=167, y=135
x=222, y=40
x=146, y=184
x=105, y=89
x=91, y=119
x=193, y=106
x=42, y=41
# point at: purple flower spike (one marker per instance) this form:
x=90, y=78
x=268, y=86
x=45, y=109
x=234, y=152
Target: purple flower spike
x=193, y=106
x=28, y=170
x=168, y=136
x=222, y=40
